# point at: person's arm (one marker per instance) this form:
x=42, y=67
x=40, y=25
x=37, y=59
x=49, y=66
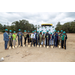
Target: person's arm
x=12, y=35
x=66, y=37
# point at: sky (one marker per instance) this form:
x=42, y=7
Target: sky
x=37, y=18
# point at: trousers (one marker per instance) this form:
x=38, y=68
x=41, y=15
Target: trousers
x=62, y=43
x=14, y=42
x=10, y=42
x=6, y=43
x=47, y=42
x=20, y=42
x=25, y=41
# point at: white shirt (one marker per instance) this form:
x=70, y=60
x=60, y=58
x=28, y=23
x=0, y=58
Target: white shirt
x=33, y=36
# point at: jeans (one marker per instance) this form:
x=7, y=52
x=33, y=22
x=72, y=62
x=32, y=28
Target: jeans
x=6, y=43
x=20, y=42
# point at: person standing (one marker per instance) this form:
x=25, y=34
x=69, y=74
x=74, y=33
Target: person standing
x=6, y=38
x=19, y=34
x=37, y=38
x=14, y=36
x=65, y=39
x=43, y=38
x=51, y=39
x=25, y=37
x=40, y=38
x=32, y=37
x=61, y=36
x=28, y=36
x=47, y=38
x=10, y=38
x=56, y=39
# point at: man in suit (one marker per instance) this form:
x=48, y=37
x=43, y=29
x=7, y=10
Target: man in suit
x=19, y=34
x=55, y=39
x=6, y=38
x=47, y=38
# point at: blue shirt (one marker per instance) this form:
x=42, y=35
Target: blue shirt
x=19, y=34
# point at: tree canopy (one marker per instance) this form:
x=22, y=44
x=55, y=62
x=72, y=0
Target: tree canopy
x=21, y=24
x=69, y=27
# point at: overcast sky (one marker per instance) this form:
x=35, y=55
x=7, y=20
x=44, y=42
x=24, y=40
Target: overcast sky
x=37, y=17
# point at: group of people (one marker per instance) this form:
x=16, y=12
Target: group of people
x=36, y=38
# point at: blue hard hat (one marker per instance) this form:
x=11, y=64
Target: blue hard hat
x=24, y=30
x=14, y=32
x=40, y=31
x=58, y=31
x=6, y=29
x=28, y=31
x=10, y=30
x=64, y=32
x=51, y=33
x=55, y=30
x=61, y=30
x=19, y=29
x=35, y=30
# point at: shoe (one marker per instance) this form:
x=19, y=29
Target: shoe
x=6, y=49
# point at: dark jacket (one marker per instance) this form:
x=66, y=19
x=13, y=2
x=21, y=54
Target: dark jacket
x=47, y=34
x=36, y=36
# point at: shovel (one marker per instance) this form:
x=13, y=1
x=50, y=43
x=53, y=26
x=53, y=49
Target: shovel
x=9, y=47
